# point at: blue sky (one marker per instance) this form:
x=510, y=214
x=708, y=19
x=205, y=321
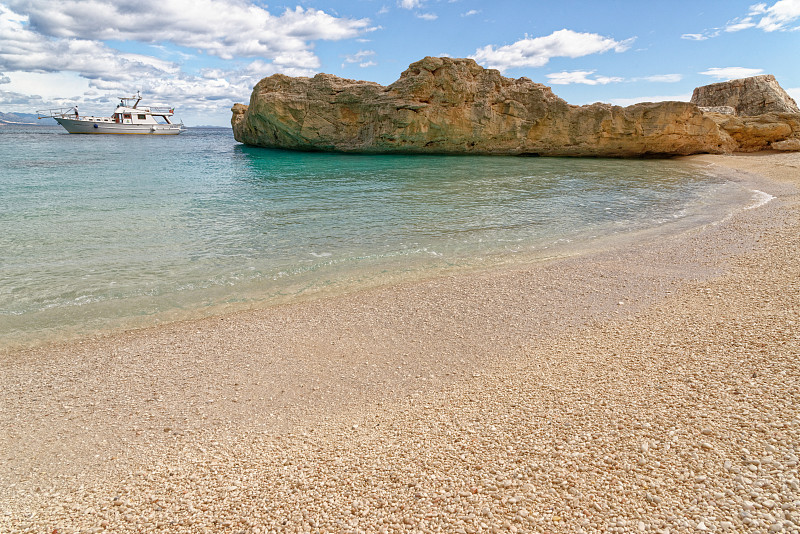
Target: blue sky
x=201, y=56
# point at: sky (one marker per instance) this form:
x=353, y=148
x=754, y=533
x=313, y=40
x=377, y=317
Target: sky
x=202, y=56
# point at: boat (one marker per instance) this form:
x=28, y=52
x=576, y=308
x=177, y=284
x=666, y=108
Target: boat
x=128, y=118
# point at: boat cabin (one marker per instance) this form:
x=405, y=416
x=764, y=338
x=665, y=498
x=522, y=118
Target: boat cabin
x=132, y=114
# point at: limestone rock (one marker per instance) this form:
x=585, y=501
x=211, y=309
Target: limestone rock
x=748, y=96
x=454, y=106
x=788, y=145
x=761, y=132
x=724, y=110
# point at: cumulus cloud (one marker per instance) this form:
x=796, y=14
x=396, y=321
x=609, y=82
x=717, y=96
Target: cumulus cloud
x=780, y=16
x=537, y=51
x=731, y=73
x=217, y=27
x=783, y=15
x=663, y=78
x=362, y=57
x=410, y=4
x=587, y=77
x=427, y=16
x=738, y=25
x=13, y=101
x=698, y=36
x=51, y=37
x=580, y=76
x=23, y=50
x=470, y=13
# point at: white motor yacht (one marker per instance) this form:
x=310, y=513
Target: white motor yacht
x=128, y=118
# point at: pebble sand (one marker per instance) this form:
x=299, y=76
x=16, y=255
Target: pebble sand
x=648, y=387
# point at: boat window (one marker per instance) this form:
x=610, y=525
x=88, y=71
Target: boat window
x=142, y=117
x=127, y=116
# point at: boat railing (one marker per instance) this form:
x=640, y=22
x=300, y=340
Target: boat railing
x=161, y=111
x=58, y=112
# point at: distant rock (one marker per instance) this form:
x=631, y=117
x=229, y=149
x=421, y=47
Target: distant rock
x=723, y=110
x=780, y=131
x=30, y=119
x=454, y=106
x=748, y=96
x=789, y=145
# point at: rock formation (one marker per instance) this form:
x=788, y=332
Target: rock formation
x=778, y=131
x=724, y=110
x=749, y=96
x=454, y=106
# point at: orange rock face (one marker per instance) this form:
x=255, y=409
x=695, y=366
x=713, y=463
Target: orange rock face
x=454, y=106
x=756, y=95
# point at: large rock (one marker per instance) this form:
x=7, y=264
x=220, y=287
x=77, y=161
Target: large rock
x=748, y=96
x=778, y=131
x=454, y=106
x=444, y=105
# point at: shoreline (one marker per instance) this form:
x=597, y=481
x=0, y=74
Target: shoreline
x=92, y=323
x=603, y=392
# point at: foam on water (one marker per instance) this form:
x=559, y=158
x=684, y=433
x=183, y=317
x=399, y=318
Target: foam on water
x=759, y=199
x=107, y=232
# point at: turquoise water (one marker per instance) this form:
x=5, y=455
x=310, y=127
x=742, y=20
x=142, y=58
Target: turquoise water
x=106, y=232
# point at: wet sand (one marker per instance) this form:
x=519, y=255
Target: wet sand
x=653, y=387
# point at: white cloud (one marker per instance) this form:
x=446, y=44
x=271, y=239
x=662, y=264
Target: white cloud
x=778, y=17
x=731, y=73
x=24, y=50
x=794, y=92
x=427, y=16
x=55, y=50
x=637, y=100
x=217, y=27
x=740, y=25
x=580, y=76
x=15, y=102
x=662, y=78
x=537, y=51
x=470, y=13
x=361, y=57
x=587, y=77
x=409, y=4
x=49, y=85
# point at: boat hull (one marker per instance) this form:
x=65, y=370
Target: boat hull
x=82, y=126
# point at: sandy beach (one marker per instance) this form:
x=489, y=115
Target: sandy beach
x=651, y=387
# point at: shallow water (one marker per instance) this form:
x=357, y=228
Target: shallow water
x=107, y=232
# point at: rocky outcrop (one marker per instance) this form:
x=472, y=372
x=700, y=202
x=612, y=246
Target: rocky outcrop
x=447, y=106
x=778, y=131
x=454, y=106
x=748, y=96
x=724, y=110
x=788, y=145
x=756, y=112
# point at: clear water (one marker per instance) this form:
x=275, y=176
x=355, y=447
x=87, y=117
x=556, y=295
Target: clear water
x=106, y=232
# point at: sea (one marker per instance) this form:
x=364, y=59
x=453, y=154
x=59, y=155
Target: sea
x=101, y=233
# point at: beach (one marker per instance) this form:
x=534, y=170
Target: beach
x=651, y=387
